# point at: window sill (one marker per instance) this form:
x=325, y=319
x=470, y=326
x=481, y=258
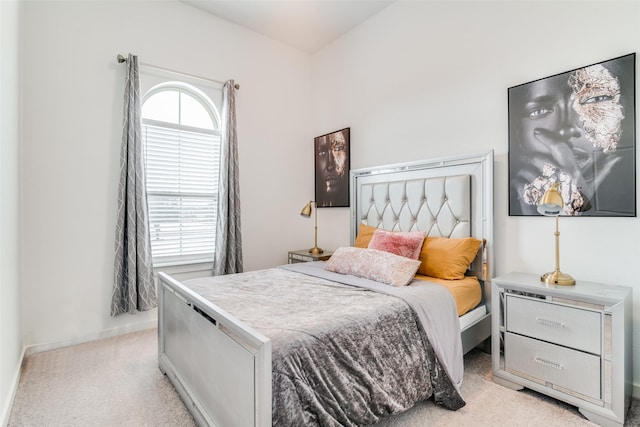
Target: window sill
x=194, y=268
x=164, y=264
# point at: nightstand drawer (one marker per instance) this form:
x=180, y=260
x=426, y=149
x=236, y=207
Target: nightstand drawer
x=563, y=367
x=567, y=326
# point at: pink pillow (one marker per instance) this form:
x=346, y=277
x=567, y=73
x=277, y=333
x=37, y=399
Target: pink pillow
x=403, y=243
x=372, y=264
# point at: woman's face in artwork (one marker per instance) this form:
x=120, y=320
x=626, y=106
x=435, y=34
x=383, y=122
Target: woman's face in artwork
x=581, y=109
x=331, y=160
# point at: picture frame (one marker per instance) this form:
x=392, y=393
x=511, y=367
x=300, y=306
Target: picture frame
x=576, y=128
x=332, y=164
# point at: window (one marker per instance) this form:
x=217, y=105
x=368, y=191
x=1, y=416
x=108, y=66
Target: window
x=181, y=138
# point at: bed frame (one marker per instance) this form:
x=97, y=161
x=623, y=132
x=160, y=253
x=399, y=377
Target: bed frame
x=222, y=368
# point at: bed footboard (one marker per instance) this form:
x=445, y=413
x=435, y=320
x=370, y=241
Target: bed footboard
x=220, y=367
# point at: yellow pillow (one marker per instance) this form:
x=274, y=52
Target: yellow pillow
x=364, y=236
x=447, y=258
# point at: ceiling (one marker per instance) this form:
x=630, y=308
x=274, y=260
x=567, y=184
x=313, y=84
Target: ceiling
x=307, y=25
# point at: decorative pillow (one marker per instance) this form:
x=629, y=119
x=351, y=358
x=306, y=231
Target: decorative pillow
x=372, y=264
x=406, y=244
x=447, y=258
x=364, y=236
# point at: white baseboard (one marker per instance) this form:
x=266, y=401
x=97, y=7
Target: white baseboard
x=8, y=404
x=137, y=327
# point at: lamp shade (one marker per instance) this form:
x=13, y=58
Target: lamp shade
x=551, y=203
x=306, y=211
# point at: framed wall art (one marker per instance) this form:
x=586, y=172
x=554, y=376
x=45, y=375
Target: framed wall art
x=332, y=164
x=576, y=128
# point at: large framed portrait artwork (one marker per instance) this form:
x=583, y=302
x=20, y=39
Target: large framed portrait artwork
x=332, y=168
x=575, y=128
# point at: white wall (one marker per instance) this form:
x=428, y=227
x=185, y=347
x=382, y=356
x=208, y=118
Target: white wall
x=429, y=79
x=73, y=90
x=10, y=334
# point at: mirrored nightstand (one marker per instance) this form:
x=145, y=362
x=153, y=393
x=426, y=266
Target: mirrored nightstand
x=303, y=255
x=572, y=343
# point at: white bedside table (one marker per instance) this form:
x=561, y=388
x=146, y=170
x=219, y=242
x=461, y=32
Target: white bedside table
x=572, y=343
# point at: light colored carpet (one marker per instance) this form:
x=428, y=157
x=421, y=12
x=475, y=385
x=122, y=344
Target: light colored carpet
x=116, y=382
x=110, y=382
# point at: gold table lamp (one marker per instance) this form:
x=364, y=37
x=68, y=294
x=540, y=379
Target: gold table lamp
x=306, y=212
x=551, y=205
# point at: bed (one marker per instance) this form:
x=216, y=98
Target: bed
x=236, y=358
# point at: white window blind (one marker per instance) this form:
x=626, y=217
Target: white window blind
x=182, y=167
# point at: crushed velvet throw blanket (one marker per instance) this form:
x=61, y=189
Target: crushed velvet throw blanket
x=342, y=354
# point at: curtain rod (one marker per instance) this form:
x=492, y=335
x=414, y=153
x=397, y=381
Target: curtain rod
x=122, y=59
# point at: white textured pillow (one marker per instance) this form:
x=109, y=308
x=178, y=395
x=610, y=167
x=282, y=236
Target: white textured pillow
x=373, y=264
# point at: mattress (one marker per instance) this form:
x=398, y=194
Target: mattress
x=466, y=292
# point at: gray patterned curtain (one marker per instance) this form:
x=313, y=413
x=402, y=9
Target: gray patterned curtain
x=134, y=288
x=228, y=252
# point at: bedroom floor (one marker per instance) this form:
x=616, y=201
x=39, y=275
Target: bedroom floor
x=116, y=382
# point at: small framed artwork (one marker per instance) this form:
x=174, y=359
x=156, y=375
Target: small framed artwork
x=331, y=157
x=575, y=128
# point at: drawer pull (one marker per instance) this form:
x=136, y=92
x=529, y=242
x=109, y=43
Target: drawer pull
x=551, y=323
x=547, y=364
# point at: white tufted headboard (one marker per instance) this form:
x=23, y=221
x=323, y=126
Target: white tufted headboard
x=447, y=197
x=439, y=206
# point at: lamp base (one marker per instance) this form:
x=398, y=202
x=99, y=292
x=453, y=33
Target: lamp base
x=557, y=278
x=315, y=250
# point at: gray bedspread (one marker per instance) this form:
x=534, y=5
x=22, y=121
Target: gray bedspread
x=343, y=354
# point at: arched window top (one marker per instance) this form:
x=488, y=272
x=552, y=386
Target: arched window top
x=180, y=104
